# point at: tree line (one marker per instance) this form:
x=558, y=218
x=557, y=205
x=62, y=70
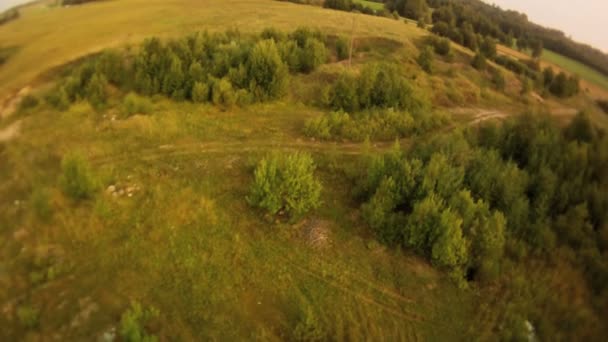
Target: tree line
x=225, y=69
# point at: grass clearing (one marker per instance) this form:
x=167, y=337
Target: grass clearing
x=578, y=68
x=376, y=6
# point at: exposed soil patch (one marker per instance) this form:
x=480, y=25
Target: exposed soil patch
x=10, y=105
x=10, y=132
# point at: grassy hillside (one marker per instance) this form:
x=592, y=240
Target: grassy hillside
x=125, y=203
x=41, y=32
x=578, y=68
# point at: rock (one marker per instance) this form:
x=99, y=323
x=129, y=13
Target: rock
x=111, y=189
x=108, y=335
x=121, y=192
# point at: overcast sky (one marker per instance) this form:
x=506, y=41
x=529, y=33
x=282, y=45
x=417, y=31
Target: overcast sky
x=584, y=20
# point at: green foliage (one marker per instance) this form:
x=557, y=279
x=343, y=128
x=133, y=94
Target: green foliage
x=441, y=46
x=41, y=204
x=77, y=180
x=488, y=48
x=309, y=328
x=313, y=55
x=564, y=86
x=479, y=62
x=267, y=72
x=285, y=183
x=135, y=104
x=425, y=59
x=28, y=316
x=200, y=92
x=498, y=79
x=378, y=86
x=58, y=99
x=222, y=93
x=28, y=102
x=342, y=48
x=132, y=323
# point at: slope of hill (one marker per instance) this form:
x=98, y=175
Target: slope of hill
x=127, y=209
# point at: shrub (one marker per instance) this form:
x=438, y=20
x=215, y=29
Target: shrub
x=58, y=99
x=309, y=328
x=342, y=48
x=132, y=324
x=28, y=102
x=28, y=316
x=498, y=79
x=223, y=93
x=425, y=59
x=479, y=62
x=267, y=72
x=285, y=183
x=200, y=92
x=135, y=104
x=41, y=204
x=344, y=93
x=313, y=54
x=77, y=180
x=96, y=91
x=442, y=46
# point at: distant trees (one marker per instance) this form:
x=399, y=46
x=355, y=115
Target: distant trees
x=285, y=183
x=225, y=69
x=479, y=62
x=413, y=9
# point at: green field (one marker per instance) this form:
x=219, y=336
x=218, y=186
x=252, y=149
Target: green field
x=377, y=6
x=583, y=71
x=168, y=221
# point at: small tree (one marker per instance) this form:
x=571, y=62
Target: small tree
x=479, y=62
x=498, y=79
x=313, y=54
x=200, y=92
x=267, y=72
x=425, y=59
x=285, y=183
x=96, y=91
x=342, y=48
x=77, y=180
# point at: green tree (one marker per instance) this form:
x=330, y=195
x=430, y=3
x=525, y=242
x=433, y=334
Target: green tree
x=96, y=91
x=313, y=55
x=488, y=47
x=77, y=180
x=200, y=92
x=344, y=93
x=342, y=48
x=285, y=183
x=425, y=59
x=479, y=62
x=267, y=72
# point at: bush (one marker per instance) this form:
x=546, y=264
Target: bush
x=267, y=72
x=28, y=102
x=498, y=79
x=77, y=180
x=479, y=62
x=285, y=183
x=313, y=54
x=28, y=316
x=96, y=91
x=342, y=48
x=132, y=324
x=344, y=93
x=442, y=46
x=200, y=92
x=58, y=99
x=41, y=204
x=135, y=104
x=425, y=59
x=222, y=93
